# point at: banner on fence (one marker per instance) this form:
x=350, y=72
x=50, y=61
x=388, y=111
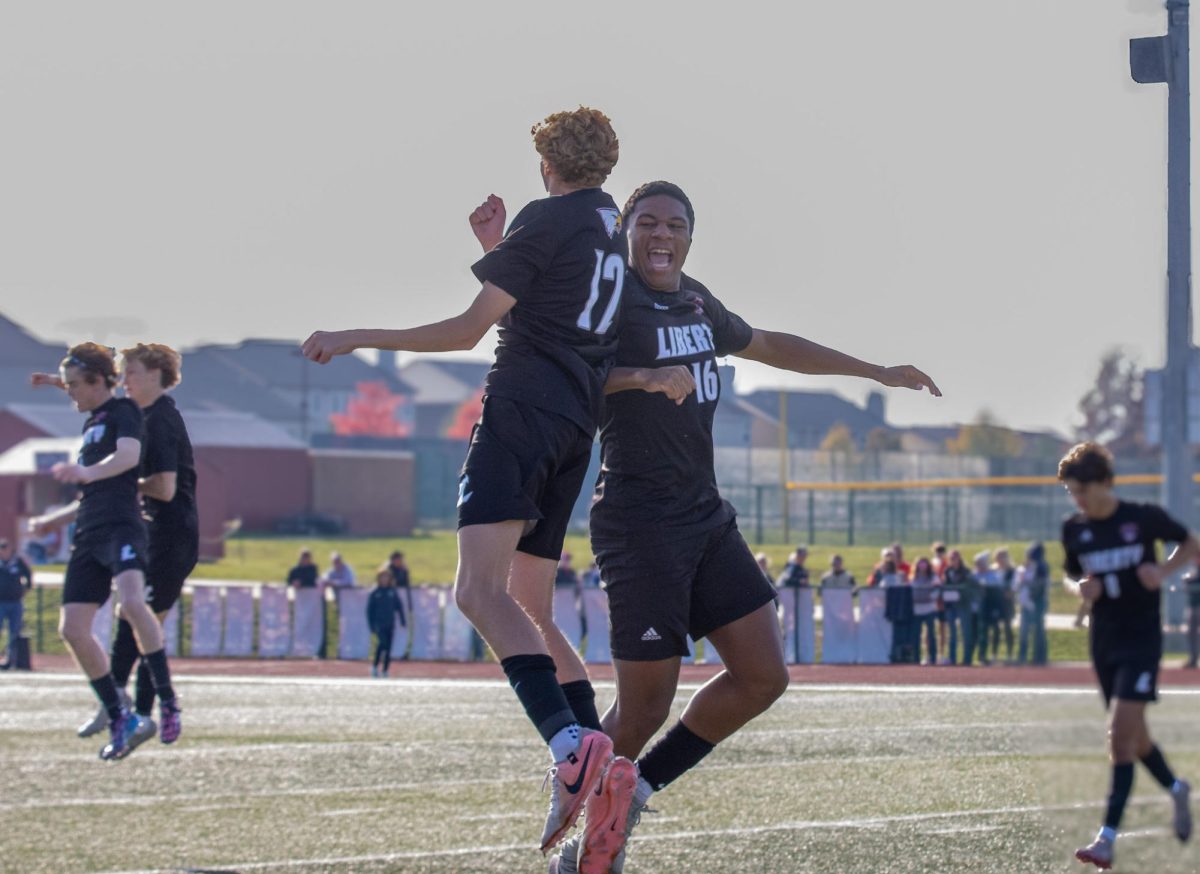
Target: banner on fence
x=401, y=634
x=239, y=622
x=874, y=631
x=426, y=622
x=839, y=635
x=456, y=632
x=354, y=636
x=102, y=622
x=595, y=609
x=308, y=626
x=274, y=626
x=567, y=614
x=206, y=621
x=170, y=626
x=799, y=631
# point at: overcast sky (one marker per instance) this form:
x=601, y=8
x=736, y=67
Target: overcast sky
x=976, y=188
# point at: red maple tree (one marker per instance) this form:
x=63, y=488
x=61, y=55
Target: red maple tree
x=465, y=418
x=373, y=412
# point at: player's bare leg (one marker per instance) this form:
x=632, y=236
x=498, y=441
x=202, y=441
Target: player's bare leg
x=75, y=629
x=531, y=584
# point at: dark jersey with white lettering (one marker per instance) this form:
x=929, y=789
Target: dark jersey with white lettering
x=112, y=501
x=563, y=259
x=1126, y=618
x=657, y=481
x=168, y=449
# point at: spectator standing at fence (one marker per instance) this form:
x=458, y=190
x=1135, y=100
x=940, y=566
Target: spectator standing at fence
x=795, y=574
x=902, y=567
x=1006, y=572
x=340, y=575
x=15, y=580
x=590, y=578
x=837, y=577
x=884, y=573
x=1033, y=596
x=764, y=565
x=925, y=608
x=957, y=588
x=938, y=561
x=400, y=574
x=383, y=609
x=986, y=608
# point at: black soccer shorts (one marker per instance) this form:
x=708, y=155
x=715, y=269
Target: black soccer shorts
x=659, y=594
x=1133, y=678
x=524, y=463
x=171, y=558
x=99, y=556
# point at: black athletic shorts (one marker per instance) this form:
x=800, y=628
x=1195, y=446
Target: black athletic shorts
x=1129, y=678
x=97, y=557
x=661, y=593
x=524, y=463
x=171, y=558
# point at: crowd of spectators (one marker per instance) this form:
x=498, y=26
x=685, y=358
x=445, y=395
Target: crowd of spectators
x=952, y=612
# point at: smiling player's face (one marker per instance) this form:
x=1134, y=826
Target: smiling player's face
x=659, y=239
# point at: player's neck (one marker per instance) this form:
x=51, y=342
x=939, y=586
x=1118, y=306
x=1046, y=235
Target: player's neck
x=1104, y=507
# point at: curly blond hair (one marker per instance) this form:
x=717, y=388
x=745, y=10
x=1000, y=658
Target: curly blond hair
x=580, y=146
x=94, y=361
x=160, y=357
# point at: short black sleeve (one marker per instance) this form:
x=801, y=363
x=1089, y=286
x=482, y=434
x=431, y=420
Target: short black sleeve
x=162, y=447
x=1161, y=525
x=127, y=421
x=731, y=334
x=522, y=256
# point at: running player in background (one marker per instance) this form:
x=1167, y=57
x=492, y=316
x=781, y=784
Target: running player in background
x=553, y=283
x=670, y=554
x=109, y=544
x=1111, y=548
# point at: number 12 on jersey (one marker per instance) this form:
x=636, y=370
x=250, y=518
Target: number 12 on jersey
x=612, y=268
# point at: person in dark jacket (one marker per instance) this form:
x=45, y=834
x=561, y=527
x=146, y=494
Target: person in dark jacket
x=795, y=574
x=15, y=580
x=383, y=605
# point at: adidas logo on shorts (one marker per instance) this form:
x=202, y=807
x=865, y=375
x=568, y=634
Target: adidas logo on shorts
x=651, y=634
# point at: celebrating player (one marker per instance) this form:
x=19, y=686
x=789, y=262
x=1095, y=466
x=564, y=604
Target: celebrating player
x=1111, y=547
x=670, y=554
x=109, y=545
x=554, y=286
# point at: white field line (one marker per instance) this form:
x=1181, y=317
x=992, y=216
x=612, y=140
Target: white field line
x=375, y=789
x=11, y=682
x=752, y=831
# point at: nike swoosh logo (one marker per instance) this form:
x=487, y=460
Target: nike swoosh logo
x=574, y=788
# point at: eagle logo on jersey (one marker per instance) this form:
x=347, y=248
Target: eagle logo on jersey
x=1129, y=532
x=611, y=219
x=1085, y=536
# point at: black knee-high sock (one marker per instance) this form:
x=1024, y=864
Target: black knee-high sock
x=1118, y=794
x=160, y=674
x=582, y=698
x=1158, y=767
x=144, y=703
x=676, y=753
x=106, y=690
x=124, y=653
x=532, y=678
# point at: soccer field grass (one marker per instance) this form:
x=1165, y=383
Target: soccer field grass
x=429, y=776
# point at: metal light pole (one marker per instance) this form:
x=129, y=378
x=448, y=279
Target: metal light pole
x=1165, y=59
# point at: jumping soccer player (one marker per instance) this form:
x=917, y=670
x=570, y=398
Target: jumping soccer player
x=670, y=555
x=554, y=286
x=109, y=544
x=1111, y=548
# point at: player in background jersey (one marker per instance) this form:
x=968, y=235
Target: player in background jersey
x=109, y=544
x=670, y=555
x=1111, y=548
x=167, y=484
x=553, y=283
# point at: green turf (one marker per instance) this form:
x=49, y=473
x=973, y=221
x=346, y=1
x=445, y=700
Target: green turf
x=389, y=776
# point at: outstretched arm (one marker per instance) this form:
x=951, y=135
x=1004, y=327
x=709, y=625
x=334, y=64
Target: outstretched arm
x=458, y=333
x=1185, y=554
x=127, y=457
x=676, y=381
x=51, y=379
x=789, y=352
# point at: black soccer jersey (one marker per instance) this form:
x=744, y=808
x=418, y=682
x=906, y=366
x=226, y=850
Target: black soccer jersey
x=563, y=259
x=656, y=475
x=1125, y=619
x=112, y=501
x=168, y=449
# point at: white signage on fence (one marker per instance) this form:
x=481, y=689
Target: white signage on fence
x=274, y=627
x=170, y=626
x=595, y=608
x=309, y=625
x=567, y=614
x=456, y=632
x=874, y=631
x=206, y=621
x=426, y=622
x=839, y=637
x=102, y=623
x=239, y=621
x=799, y=632
x=354, y=636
